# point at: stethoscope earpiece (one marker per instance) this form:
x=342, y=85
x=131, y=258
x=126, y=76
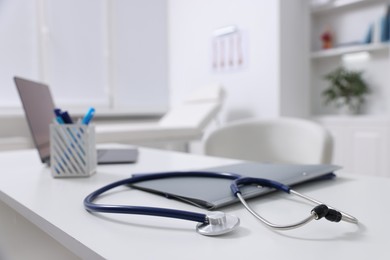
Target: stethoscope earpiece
x=320, y=211
x=330, y=214
x=334, y=215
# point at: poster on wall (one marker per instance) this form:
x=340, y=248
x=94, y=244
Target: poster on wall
x=228, y=50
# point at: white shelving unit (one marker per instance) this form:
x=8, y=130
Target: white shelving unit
x=349, y=22
x=362, y=143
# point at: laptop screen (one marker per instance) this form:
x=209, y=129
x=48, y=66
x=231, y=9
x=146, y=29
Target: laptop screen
x=39, y=110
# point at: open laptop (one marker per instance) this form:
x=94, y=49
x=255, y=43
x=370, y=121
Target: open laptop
x=39, y=108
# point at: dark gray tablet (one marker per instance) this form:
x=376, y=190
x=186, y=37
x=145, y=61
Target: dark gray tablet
x=213, y=193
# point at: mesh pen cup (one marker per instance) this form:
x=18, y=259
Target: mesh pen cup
x=72, y=150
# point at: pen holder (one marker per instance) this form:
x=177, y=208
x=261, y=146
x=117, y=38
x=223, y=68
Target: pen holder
x=72, y=150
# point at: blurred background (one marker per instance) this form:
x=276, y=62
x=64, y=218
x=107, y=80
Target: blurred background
x=135, y=60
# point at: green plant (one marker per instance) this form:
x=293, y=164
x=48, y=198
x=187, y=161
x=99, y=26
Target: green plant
x=346, y=88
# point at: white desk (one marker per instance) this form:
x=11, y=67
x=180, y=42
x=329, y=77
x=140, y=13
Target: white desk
x=55, y=206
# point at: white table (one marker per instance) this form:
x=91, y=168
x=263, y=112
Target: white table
x=54, y=209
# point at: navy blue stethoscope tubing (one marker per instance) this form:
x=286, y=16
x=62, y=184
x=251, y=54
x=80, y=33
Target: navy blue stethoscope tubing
x=153, y=211
x=242, y=181
x=237, y=181
x=209, y=225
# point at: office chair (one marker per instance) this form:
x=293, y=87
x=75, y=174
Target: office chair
x=281, y=140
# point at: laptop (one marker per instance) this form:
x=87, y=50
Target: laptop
x=214, y=193
x=39, y=108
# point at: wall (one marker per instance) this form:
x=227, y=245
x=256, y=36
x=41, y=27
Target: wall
x=293, y=59
x=18, y=47
x=140, y=54
x=111, y=54
x=252, y=91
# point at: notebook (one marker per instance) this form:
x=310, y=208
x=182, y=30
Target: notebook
x=214, y=193
x=39, y=107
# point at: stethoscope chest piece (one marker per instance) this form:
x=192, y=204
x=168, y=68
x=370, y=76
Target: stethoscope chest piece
x=218, y=223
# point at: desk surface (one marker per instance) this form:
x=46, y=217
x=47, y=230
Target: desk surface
x=55, y=206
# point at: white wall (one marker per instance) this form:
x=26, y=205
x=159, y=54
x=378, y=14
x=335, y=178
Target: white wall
x=17, y=46
x=140, y=54
x=111, y=54
x=294, y=60
x=251, y=92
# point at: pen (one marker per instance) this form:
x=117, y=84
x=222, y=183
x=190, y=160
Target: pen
x=88, y=116
x=60, y=120
x=66, y=117
x=62, y=117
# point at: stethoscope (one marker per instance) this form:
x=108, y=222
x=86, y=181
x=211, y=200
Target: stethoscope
x=213, y=223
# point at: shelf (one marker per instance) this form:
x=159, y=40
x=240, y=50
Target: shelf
x=338, y=4
x=350, y=49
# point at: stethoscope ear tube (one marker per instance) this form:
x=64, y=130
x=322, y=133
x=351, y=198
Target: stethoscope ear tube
x=258, y=181
x=138, y=210
x=320, y=211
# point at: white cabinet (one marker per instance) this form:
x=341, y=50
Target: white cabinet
x=361, y=143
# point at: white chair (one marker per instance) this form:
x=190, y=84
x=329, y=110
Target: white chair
x=281, y=140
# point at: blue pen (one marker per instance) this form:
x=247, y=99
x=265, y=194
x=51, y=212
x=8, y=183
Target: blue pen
x=57, y=112
x=66, y=117
x=60, y=120
x=88, y=116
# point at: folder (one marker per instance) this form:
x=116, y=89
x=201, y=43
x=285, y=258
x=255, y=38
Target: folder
x=214, y=193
